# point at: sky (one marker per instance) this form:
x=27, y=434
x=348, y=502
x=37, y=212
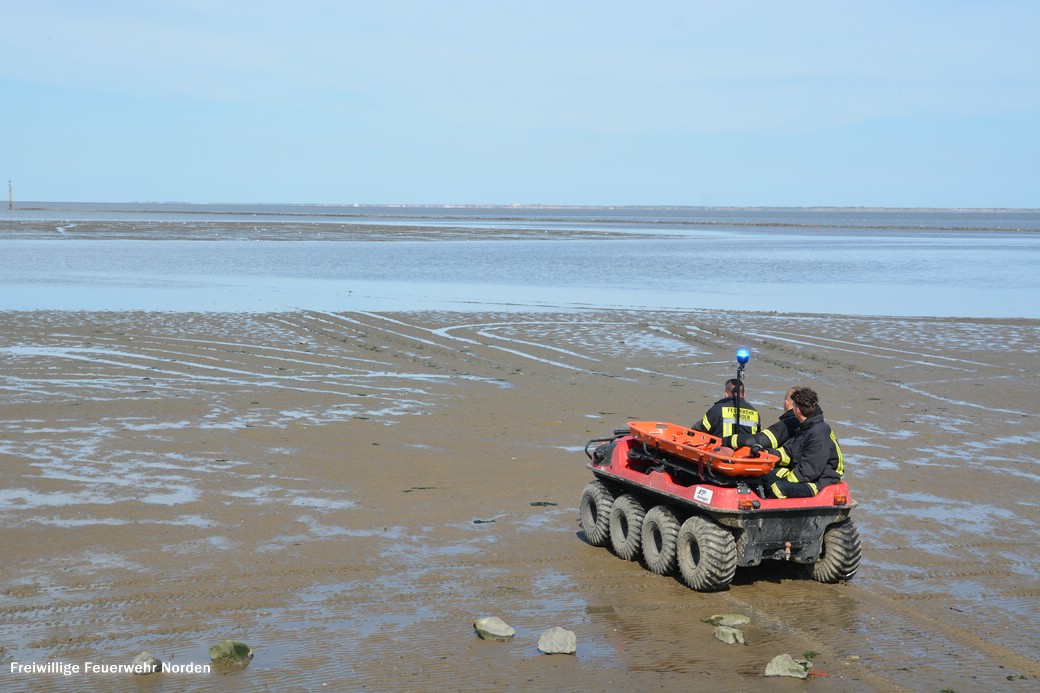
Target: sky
x=823, y=103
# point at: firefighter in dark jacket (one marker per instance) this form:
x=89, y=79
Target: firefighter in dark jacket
x=721, y=420
x=815, y=456
x=773, y=438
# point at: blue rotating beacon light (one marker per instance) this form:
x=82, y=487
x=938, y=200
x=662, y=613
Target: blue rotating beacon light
x=743, y=356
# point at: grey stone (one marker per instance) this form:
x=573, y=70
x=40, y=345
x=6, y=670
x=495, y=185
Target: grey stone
x=145, y=663
x=729, y=620
x=558, y=640
x=231, y=653
x=493, y=628
x=786, y=665
x=729, y=635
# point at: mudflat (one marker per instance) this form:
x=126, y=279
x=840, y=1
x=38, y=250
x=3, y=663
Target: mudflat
x=348, y=492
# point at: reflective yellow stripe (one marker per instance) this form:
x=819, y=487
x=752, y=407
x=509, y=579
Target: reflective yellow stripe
x=776, y=491
x=772, y=439
x=841, y=458
x=813, y=487
x=748, y=417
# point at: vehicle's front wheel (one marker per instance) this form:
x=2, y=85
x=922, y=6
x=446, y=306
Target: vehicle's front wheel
x=841, y=554
x=660, y=536
x=626, y=526
x=707, y=555
x=596, y=502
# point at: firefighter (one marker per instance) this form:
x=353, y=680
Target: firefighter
x=772, y=439
x=815, y=456
x=721, y=420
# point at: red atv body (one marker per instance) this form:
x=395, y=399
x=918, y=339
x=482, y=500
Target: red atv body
x=672, y=508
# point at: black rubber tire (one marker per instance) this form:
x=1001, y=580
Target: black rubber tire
x=707, y=555
x=626, y=526
x=841, y=554
x=596, y=502
x=660, y=537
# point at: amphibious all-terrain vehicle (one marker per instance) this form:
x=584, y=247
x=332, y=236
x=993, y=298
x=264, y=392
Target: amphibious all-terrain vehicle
x=683, y=503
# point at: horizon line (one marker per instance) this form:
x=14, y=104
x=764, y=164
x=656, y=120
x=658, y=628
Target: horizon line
x=515, y=205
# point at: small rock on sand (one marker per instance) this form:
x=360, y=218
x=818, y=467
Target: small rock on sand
x=558, y=640
x=231, y=653
x=729, y=635
x=146, y=663
x=729, y=620
x=493, y=628
x=786, y=665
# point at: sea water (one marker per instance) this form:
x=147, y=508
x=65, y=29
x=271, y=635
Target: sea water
x=173, y=257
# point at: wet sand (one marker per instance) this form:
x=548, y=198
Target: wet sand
x=347, y=492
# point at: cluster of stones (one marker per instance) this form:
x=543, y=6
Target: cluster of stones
x=782, y=665
x=554, y=640
x=229, y=653
x=726, y=628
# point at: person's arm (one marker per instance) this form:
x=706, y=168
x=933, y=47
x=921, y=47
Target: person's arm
x=704, y=425
x=773, y=437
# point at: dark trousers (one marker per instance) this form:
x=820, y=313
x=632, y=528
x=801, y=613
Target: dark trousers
x=782, y=483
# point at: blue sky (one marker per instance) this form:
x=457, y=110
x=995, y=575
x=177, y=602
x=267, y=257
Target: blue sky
x=902, y=104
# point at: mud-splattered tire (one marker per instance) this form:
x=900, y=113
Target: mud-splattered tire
x=707, y=555
x=596, y=502
x=660, y=536
x=841, y=554
x=626, y=526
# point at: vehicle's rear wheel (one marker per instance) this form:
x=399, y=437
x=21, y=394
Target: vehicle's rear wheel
x=841, y=553
x=596, y=501
x=660, y=536
x=626, y=526
x=707, y=555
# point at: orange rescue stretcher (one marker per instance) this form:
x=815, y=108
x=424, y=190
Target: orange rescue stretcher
x=702, y=449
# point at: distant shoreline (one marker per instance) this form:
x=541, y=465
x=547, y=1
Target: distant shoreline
x=31, y=205
x=494, y=219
